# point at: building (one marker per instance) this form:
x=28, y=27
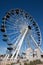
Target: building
x=32, y=55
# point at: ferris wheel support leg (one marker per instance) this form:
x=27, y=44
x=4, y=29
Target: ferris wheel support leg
x=15, y=45
x=20, y=43
x=6, y=57
x=36, y=43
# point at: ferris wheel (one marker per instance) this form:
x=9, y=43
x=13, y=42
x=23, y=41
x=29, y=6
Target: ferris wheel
x=19, y=28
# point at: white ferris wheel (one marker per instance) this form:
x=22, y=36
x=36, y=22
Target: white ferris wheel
x=20, y=31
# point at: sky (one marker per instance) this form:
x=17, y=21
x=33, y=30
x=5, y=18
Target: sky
x=34, y=7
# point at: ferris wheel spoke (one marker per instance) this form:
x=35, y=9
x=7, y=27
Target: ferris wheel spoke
x=11, y=30
x=36, y=33
x=30, y=23
x=10, y=21
x=9, y=34
x=12, y=36
x=15, y=38
x=7, y=21
x=11, y=25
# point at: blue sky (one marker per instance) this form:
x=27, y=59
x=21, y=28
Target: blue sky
x=34, y=7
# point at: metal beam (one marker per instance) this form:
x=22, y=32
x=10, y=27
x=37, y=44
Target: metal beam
x=36, y=43
x=20, y=44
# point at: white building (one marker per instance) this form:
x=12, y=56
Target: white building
x=33, y=54
x=29, y=54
